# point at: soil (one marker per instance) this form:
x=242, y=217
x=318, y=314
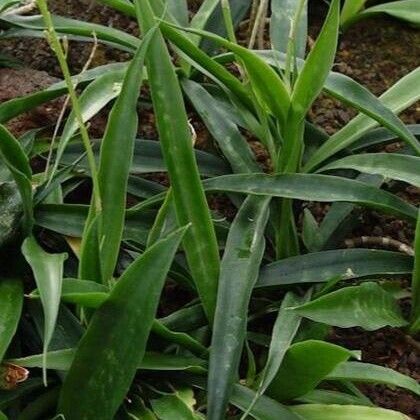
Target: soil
x=376, y=53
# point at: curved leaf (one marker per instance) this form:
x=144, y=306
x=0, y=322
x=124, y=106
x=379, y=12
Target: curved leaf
x=238, y=273
x=318, y=62
x=313, y=188
x=322, y=266
x=48, y=272
x=401, y=95
x=367, y=306
x=225, y=132
x=117, y=148
x=345, y=412
x=282, y=15
x=16, y=106
x=95, y=97
x=200, y=243
x=366, y=372
x=17, y=162
x=11, y=296
x=304, y=366
x=115, y=342
x=408, y=10
x=64, y=25
x=390, y=165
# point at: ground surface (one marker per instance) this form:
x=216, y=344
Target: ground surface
x=376, y=53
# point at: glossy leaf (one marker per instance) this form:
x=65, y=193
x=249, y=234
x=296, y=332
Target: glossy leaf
x=238, y=273
x=345, y=412
x=284, y=331
x=11, y=296
x=178, y=405
x=148, y=158
x=319, y=62
x=313, y=188
x=48, y=272
x=115, y=342
x=380, y=135
x=17, y=162
x=64, y=25
x=367, y=306
x=322, y=266
x=95, y=97
x=401, y=95
x=366, y=372
x=227, y=135
x=304, y=366
x=282, y=16
x=267, y=84
x=190, y=203
x=16, y=106
x=62, y=360
x=115, y=158
x=350, y=9
x=408, y=10
x=415, y=281
x=390, y=165
x=264, y=409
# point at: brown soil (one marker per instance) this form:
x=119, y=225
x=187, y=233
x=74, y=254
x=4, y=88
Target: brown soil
x=376, y=53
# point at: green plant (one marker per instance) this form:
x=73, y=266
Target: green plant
x=407, y=10
x=95, y=314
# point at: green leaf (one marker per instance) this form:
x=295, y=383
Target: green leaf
x=15, y=159
x=304, y=366
x=390, y=165
x=115, y=160
x=401, y=95
x=10, y=212
x=48, y=272
x=322, y=266
x=205, y=63
x=264, y=409
x=17, y=106
x=267, y=84
x=319, y=62
x=350, y=9
x=337, y=223
x=148, y=158
x=415, y=281
x=238, y=273
x=322, y=396
x=282, y=15
x=366, y=372
x=178, y=405
x=313, y=188
x=114, y=344
x=11, y=296
x=227, y=135
x=367, y=306
x=284, y=331
x=41, y=406
x=62, y=360
x=69, y=220
x=408, y=10
x=380, y=135
x=95, y=97
x=200, y=242
x=68, y=26
x=345, y=412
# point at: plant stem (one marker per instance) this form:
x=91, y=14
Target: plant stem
x=58, y=50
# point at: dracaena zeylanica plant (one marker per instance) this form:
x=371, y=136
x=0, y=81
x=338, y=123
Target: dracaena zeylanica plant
x=95, y=315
